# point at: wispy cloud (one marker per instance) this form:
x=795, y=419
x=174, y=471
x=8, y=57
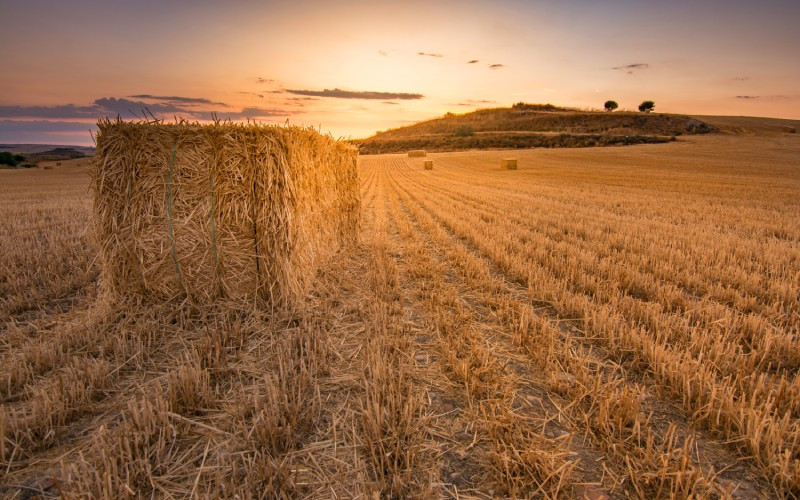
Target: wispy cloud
x=177, y=99
x=264, y=80
x=66, y=111
x=391, y=102
x=255, y=112
x=355, y=94
x=478, y=101
x=126, y=108
x=382, y=53
x=631, y=68
x=473, y=61
x=429, y=54
x=497, y=66
x=740, y=78
x=47, y=131
x=255, y=94
x=105, y=106
x=779, y=97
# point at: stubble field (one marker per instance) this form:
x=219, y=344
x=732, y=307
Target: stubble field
x=602, y=321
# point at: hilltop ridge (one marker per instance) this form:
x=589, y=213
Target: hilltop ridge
x=533, y=125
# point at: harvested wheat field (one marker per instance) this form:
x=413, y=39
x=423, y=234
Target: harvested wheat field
x=600, y=323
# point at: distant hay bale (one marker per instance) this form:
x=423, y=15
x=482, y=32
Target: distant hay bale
x=417, y=153
x=58, y=164
x=201, y=212
x=508, y=164
x=790, y=130
x=48, y=167
x=428, y=164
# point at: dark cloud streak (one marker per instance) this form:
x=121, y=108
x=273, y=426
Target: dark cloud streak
x=631, y=68
x=178, y=99
x=354, y=94
x=768, y=97
x=126, y=108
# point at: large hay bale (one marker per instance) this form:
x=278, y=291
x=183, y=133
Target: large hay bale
x=790, y=130
x=244, y=212
x=428, y=164
x=508, y=164
x=416, y=153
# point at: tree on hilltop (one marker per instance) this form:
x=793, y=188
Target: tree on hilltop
x=611, y=105
x=647, y=106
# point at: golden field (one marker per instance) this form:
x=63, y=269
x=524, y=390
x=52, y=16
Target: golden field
x=602, y=322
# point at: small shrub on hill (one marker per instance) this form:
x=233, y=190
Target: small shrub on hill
x=10, y=159
x=465, y=131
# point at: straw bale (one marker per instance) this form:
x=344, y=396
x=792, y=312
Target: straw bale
x=416, y=153
x=201, y=212
x=428, y=164
x=508, y=163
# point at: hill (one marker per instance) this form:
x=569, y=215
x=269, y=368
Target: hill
x=533, y=125
x=44, y=148
x=751, y=125
x=30, y=155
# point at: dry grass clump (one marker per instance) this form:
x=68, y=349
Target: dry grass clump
x=201, y=212
x=508, y=163
x=393, y=422
x=417, y=153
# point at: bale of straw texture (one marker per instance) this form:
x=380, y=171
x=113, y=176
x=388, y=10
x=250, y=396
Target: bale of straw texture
x=428, y=164
x=508, y=163
x=199, y=212
x=416, y=153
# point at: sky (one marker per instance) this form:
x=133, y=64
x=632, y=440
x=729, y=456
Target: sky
x=354, y=67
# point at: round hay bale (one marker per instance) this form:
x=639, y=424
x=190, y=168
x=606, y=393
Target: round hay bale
x=428, y=164
x=417, y=153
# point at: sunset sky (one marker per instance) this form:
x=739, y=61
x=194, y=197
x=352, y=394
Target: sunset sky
x=354, y=67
